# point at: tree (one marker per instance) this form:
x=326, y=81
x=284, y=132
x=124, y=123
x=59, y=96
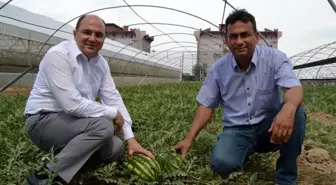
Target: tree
x=199, y=71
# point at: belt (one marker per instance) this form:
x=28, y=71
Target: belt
x=28, y=115
x=39, y=113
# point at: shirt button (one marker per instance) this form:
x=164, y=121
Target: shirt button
x=250, y=117
x=249, y=104
x=248, y=88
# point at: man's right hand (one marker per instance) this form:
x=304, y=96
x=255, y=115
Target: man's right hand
x=184, y=146
x=119, y=122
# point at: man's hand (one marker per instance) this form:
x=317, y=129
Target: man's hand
x=282, y=126
x=119, y=122
x=184, y=146
x=135, y=147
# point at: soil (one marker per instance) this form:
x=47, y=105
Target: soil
x=322, y=117
x=17, y=90
x=316, y=165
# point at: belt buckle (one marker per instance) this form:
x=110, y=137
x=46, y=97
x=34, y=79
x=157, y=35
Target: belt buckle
x=28, y=115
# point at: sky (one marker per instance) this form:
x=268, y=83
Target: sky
x=305, y=24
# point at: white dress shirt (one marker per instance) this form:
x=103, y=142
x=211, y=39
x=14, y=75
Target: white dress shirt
x=68, y=82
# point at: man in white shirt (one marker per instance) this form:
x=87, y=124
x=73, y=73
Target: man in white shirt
x=62, y=112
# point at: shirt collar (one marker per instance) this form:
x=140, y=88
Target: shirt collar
x=78, y=53
x=254, y=60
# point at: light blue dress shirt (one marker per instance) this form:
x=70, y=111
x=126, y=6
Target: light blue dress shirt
x=247, y=97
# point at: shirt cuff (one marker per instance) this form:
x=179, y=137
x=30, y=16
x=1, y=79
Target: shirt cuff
x=128, y=133
x=110, y=112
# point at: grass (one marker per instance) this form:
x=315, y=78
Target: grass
x=162, y=114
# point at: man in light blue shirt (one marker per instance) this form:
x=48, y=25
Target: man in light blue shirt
x=245, y=83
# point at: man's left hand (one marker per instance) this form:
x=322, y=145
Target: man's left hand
x=135, y=147
x=282, y=126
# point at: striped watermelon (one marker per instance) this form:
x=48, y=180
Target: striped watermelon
x=144, y=167
x=170, y=162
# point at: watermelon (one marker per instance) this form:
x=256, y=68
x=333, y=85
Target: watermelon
x=142, y=166
x=170, y=162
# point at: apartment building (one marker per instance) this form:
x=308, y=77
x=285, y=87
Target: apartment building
x=211, y=43
x=134, y=37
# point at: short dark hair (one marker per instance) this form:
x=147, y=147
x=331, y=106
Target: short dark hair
x=81, y=19
x=240, y=15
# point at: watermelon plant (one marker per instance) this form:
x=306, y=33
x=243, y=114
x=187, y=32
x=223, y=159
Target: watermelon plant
x=162, y=114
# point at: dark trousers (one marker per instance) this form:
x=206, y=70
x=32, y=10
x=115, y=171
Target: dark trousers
x=235, y=144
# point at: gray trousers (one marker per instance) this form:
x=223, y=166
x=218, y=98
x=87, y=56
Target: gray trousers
x=78, y=139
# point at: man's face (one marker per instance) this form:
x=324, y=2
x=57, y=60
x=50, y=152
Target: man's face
x=90, y=35
x=241, y=39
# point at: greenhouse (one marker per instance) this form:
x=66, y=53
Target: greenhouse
x=161, y=106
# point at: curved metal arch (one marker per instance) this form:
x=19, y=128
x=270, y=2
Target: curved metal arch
x=5, y=4
x=178, y=25
x=184, y=58
x=33, y=24
x=193, y=56
x=136, y=13
x=188, y=56
x=181, y=56
x=186, y=42
x=170, y=49
x=261, y=35
x=312, y=76
x=189, y=65
x=124, y=66
x=328, y=68
x=164, y=43
x=163, y=52
x=332, y=4
x=37, y=25
x=318, y=71
x=175, y=59
x=125, y=47
x=173, y=9
x=304, y=54
x=127, y=62
x=186, y=34
x=162, y=35
x=186, y=65
x=170, y=56
x=116, y=7
x=314, y=55
x=176, y=33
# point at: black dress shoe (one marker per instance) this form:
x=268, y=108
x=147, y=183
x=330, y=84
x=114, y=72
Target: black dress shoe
x=38, y=179
x=43, y=179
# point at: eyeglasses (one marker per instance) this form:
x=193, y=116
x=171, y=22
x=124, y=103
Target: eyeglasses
x=99, y=35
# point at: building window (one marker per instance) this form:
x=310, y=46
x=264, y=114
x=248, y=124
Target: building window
x=217, y=56
x=217, y=46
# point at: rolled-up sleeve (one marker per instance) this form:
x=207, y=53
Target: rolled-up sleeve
x=284, y=73
x=209, y=94
x=110, y=96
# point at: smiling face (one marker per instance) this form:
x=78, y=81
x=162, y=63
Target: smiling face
x=90, y=35
x=241, y=39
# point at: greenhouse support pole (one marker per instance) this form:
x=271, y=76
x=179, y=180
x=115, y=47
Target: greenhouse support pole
x=332, y=4
x=143, y=79
x=16, y=79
